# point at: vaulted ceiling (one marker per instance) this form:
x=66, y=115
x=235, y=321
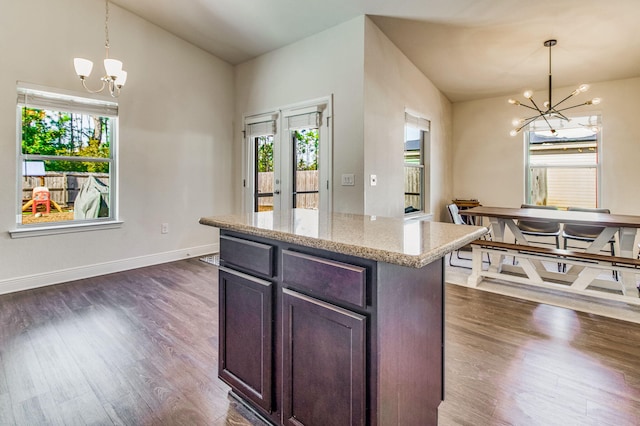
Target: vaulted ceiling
x=470, y=49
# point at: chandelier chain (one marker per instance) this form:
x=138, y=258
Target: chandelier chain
x=106, y=26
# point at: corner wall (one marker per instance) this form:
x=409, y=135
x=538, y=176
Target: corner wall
x=327, y=63
x=393, y=83
x=175, y=139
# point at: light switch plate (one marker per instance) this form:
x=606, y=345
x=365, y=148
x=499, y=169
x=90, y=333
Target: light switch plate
x=348, y=179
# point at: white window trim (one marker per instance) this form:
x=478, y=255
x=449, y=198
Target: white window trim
x=248, y=151
x=417, y=121
x=40, y=231
x=56, y=98
x=597, y=166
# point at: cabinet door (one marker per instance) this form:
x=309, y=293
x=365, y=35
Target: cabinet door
x=246, y=345
x=324, y=377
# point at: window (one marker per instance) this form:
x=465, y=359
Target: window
x=416, y=171
x=66, y=159
x=564, y=169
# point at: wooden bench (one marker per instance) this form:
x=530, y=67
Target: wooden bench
x=562, y=253
x=580, y=279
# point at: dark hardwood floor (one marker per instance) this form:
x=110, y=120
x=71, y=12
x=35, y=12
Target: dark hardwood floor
x=140, y=348
x=132, y=348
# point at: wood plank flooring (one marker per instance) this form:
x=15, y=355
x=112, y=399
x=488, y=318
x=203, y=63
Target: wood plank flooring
x=132, y=348
x=140, y=348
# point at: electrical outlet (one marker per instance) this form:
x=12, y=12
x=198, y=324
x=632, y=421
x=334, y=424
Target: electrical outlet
x=373, y=180
x=164, y=228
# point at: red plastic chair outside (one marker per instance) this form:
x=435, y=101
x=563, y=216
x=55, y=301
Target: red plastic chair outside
x=40, y=196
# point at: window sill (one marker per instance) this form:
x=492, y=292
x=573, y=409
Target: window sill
x=418, y=216
x=39, y=231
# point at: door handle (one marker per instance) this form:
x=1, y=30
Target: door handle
x=277, y=191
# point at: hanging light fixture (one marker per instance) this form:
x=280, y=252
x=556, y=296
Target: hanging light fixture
x=550, y=109
x=115, y=76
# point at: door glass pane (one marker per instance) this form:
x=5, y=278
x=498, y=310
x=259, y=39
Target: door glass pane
x=264, y=173
x=306, y=185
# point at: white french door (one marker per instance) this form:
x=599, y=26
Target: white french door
x=288, y=158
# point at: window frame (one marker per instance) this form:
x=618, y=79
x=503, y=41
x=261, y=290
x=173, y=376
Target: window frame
x=595, y=120
x=423, y=125
x=52, y=99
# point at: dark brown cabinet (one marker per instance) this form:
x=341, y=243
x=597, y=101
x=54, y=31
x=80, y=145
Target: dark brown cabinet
x=246, y=343
x=315, y=338
x=324, y=370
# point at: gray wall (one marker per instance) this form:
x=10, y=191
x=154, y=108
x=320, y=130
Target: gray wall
x=328, y=63
x=176, y=115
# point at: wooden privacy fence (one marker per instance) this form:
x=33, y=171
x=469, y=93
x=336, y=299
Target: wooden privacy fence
x=412, y=176
x=305, y=181
x=63, y=186
x=308, y=181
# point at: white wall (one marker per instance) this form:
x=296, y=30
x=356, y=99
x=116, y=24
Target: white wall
x=330, y=62
x=488, y=164
x=392, y=83
x=372, y=82
x=176, y=114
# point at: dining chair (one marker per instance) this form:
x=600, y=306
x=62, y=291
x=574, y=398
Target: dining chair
x=456, y=218
x=586, y=233
x=541, y=229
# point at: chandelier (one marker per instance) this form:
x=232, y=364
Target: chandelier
x=550, y=110
x=115, y=76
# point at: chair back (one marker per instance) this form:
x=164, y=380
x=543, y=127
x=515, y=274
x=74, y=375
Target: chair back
x=583, y=209
x=454, y=212
x=538, y=227
x=583, y=231
x=535, y=206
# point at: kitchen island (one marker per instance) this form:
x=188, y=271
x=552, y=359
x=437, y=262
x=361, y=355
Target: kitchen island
x=336, y=319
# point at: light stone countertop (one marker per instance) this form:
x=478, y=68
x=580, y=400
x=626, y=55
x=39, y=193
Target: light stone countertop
x=393, y=240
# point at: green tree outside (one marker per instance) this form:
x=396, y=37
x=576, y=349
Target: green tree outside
x=307, y=141
x=265, y=153
x=54, y=133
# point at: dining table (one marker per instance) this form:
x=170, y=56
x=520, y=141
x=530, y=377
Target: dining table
x=620, y=226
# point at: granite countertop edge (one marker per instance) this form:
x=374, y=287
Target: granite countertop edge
x=393, y=257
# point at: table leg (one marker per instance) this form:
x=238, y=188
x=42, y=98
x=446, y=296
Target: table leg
x=596, y=246
x=521, y=239
x=627, y=240
x=497, y=229
x=476, y=267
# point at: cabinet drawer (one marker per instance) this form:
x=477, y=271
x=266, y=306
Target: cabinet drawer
x=248, y=255
x=326, y=278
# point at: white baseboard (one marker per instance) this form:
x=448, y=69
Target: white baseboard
x=65, y=275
